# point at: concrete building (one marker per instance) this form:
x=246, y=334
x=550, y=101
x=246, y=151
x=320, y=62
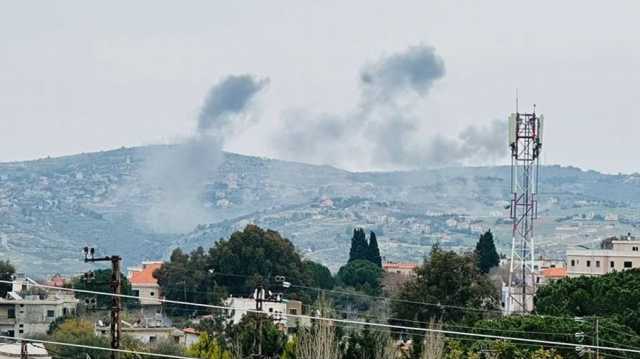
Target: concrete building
x=144, y=285
x=147, y=335
x=624, y=254
x=14, y=350
x=407, y=269
x=29, y=314
x=277, y=311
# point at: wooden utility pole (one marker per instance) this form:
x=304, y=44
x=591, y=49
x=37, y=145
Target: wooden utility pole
x=116, y=300
x=24, y=353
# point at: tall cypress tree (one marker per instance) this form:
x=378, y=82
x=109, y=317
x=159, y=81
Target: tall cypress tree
x=359, y=247
x=374, y=251
x=486, y=255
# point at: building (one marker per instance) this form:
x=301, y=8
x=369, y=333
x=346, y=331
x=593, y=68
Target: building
x=148, y=335
x=548, y=275
x=624, y=254
x=144, y=284
x=407, y=269
x=24, y=315
x=14, y=350
x=278, y=311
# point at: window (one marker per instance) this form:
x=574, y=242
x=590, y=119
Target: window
x=270, y=310
x=537, y=279
x=573, y=263
x=21, y=331
x=11, y=313
x=597, y=264
x=11, y=333
x=634, y=248
x=153, y=339
x=152, y=294
x=293, y=311
x=136, y=293
x=588, y=263
x=628, y=264
x=50, y=313
x=612, y=264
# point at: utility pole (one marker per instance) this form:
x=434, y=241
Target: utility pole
x=597, y=339
x=116, y=300
x=24, y=354
x=259, y=295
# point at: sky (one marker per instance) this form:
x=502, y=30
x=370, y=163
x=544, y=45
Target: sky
x=79, y=76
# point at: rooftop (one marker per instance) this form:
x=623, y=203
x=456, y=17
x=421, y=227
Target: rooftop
x=399, y=266
x=554, y=272
x=145, y=275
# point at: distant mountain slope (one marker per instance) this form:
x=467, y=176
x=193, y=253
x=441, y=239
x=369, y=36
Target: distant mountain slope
x=50, y=208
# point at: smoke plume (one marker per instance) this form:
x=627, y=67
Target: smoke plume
x=179, y=173
x=383, y=131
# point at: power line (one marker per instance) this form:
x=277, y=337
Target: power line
x=347, y=321
x=113, y=350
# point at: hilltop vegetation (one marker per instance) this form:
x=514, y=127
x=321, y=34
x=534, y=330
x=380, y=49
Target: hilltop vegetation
x=51, y=207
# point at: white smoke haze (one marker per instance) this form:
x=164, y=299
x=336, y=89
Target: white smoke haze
x=384, y=131
x=180, y=173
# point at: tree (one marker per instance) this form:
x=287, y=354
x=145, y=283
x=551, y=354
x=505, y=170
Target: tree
x=486, y=255
x=374, y=251
x=244, y=333
x=553, y=329
x=101, y=283
x=359, y=247
x=449, y=279
x=318, y=275
x=260, y=254
x=362, y=275
x=82, y=332
x=615, y=295
x=6, y=273
x=208, y=347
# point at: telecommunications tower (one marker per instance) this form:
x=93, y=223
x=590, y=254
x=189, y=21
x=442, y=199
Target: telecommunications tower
x=525, y=141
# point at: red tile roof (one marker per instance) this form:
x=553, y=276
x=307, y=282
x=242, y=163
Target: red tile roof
x=554, y=272
x=399, y=266
x=146, y=275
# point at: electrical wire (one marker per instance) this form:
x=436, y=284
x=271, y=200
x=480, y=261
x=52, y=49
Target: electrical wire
x=347, y=321
x=97, y=348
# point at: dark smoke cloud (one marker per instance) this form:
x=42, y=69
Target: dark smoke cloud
x=383, y=130
x=415, y=69
x=226, y=99
x=181, y=172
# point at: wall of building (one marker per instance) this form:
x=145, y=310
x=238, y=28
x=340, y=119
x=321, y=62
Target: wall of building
x=147, y=291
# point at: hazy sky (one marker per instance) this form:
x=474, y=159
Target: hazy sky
x=80, y=76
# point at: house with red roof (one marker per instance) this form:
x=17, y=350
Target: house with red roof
x=143, y=283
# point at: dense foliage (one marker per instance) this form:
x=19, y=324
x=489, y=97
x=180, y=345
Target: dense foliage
x=361, y=275
x=318, y=274
x=486, y=255
x=449, y=282
x=615, y=295
x=101, y=283
x=361, y=249
x=6, y=273
x=559, y=329
x=235, y=266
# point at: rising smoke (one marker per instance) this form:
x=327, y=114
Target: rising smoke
x=383, y=131
x=180, y=172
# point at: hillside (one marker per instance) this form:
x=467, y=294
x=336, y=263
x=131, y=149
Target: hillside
x=52, y=207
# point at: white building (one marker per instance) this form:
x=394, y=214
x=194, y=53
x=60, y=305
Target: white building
x=144, y=284
x=26, y=315
x=624, y=254
x=277, y=311
x=14, y=350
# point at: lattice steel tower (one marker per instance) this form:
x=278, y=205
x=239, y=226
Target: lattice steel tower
x=525, y=141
